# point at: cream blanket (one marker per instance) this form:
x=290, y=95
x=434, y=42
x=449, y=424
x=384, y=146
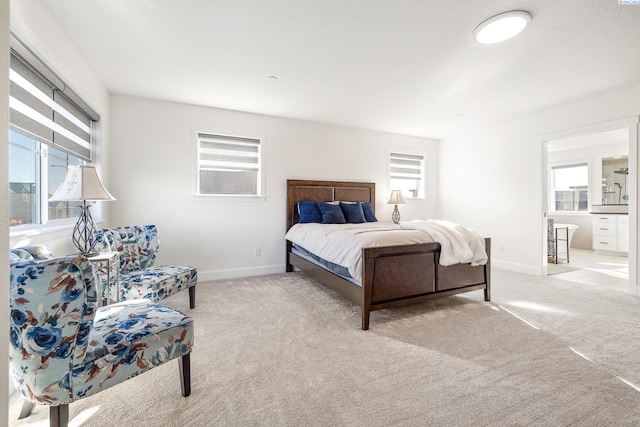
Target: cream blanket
x=459, y=244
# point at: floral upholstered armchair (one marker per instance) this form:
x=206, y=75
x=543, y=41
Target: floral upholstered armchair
x=139, y=276
x=64, y=348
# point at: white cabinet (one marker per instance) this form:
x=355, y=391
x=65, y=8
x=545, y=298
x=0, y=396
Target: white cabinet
x=611, y=232
x=623, y=233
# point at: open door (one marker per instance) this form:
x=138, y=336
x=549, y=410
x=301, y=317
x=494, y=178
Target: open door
x=580, y=140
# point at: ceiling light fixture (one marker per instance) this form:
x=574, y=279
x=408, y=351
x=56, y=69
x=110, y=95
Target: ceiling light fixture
x=502, y=27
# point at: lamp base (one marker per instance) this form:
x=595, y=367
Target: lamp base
x=395, y=216
x=83, y=236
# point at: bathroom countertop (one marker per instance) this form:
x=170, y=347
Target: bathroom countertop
x=610, y=209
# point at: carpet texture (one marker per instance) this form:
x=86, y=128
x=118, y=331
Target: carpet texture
x=281, y=350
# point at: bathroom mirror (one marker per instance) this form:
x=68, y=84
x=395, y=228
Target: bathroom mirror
x=615, y=175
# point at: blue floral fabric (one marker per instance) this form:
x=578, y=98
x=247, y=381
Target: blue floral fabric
x=139, y=278
x=63, y=348
x=156, y=283
x=31, y=252
x=138, y=245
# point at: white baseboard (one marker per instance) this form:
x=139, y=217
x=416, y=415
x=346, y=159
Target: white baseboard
x=518, y=268
x=205, y=276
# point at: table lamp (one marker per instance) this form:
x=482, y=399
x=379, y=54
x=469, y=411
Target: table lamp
x=396, y=199
x=82, y=184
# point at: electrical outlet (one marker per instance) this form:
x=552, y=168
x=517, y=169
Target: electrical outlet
x=501, y=247
x=258, y=251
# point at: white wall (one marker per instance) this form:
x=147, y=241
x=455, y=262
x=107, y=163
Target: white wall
x=33, y=24
x=4, y=208
x=152, y=169
x=490, y=178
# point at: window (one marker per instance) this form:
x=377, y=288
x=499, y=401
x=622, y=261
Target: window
x=407, y=174
x=35, y=172
x=50, y=128
x=229, y=165
x=570, y=187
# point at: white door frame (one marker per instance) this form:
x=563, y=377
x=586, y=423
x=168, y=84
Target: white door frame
x=631, y=123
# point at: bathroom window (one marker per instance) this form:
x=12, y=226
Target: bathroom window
x=570, y=188
x=407, y=173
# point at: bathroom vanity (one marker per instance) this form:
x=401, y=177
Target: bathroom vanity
x=610, y=228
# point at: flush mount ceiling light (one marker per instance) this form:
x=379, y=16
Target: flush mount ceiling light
x=502, y=27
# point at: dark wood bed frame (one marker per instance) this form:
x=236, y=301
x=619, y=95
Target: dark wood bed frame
x=392, y=276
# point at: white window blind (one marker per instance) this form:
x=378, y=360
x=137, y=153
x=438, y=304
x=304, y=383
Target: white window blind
x=229, y=165
x=406, y=173
x=43, y=107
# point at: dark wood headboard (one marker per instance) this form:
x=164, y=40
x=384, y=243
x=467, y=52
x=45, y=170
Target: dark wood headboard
x=326, y=191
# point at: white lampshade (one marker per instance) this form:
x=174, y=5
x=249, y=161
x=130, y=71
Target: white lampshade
x=81, y=183
x=396, y=198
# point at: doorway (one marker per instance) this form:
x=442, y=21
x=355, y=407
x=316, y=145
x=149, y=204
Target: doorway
x=594, y=149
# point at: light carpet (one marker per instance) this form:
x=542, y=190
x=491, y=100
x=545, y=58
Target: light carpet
x=281, y=350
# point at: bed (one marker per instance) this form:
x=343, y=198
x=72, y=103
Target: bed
x=391, y=276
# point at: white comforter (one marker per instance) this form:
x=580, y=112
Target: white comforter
x=342, y=243
x=459, y=245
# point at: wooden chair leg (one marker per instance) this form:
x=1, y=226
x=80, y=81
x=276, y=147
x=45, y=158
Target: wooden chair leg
x=27, y=408
x=192, y=297
x=185, y=374
x=59, y=416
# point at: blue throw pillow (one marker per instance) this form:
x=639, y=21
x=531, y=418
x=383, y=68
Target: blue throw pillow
x=309, y=212
x=331, y=214
x=353, y=213
x=368, y=212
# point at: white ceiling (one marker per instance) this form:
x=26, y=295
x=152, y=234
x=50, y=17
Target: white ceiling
x=403, y=66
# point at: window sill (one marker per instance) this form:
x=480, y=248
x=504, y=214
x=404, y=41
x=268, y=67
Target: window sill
x=50, y=230
x=568, y=213
x=226, y=199
x=36, y=230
